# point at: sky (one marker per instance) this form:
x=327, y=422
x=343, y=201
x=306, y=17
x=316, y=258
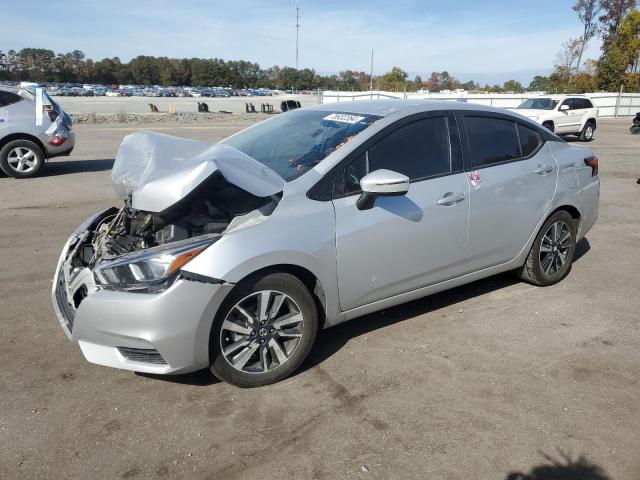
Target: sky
x=489, y=42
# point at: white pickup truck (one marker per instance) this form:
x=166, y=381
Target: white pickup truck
x=562, y=114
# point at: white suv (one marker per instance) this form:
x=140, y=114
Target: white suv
x=562, y=114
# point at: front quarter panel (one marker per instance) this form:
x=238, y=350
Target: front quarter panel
x=299, y=232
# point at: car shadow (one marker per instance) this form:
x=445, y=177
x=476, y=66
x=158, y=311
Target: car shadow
x=564, y=468
x=200, y=378
x=66, y=167
x=332, y=340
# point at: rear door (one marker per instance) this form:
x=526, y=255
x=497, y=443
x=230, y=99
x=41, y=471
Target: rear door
x=403, y=243
x=512, y=176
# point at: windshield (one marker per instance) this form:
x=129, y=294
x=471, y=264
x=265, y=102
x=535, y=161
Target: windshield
x=539, y=104
x=293, y=143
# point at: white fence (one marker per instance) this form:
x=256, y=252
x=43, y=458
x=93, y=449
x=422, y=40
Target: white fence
x=608, y=104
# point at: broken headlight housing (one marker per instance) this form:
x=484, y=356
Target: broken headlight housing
x=151, y=270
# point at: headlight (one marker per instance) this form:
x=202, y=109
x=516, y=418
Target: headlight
x=150, y=270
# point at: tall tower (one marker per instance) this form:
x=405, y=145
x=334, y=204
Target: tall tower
x=297, y=30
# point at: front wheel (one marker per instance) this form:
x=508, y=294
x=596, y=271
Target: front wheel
x=263, y=331
x=551, y=255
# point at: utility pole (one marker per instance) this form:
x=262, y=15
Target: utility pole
x=297, y=30
x=371, y=76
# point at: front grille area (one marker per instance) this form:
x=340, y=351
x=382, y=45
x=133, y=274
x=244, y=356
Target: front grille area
x=66, y=309
x=144, y=355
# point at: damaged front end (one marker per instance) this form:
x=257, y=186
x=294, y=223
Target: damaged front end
x=179, y=197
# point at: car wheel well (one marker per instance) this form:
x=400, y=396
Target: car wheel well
x=571, y=210
x=23, y=136
x=306, y=277
x=593, y=121
x=548, y=124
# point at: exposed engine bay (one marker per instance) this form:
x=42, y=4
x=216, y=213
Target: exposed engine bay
x=209, y=209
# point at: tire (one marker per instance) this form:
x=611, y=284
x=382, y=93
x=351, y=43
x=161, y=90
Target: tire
x=537, y=270
x=587, y=132
x=247, y=353
x=21, y=159
x=548, y=125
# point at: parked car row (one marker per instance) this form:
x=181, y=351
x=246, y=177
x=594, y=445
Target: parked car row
x=90, y=90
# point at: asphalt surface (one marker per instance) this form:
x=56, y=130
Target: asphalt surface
x=475, y=383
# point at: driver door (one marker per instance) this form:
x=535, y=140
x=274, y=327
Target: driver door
x=406, y=242
x=568, y=121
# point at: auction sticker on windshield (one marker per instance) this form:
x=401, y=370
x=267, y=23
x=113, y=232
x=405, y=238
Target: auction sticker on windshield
x=343, y=117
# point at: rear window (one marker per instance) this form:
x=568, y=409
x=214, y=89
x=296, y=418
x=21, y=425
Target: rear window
x=491, y=140
x=8, y=98
x=529, y=140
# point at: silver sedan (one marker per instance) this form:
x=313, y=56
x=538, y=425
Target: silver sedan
x=233, y=256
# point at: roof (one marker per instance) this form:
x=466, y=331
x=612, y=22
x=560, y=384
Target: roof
x=558, y=96
x=390, y=106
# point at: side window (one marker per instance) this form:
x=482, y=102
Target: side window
x=353, y=173
x=587, y=103
x=8, y=98
x=491, y=140
x=529, y=140
x=419, y=149
x=569, y=102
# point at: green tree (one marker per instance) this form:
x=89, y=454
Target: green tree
x=539, y=84
x=393, y=81
x=623, y=54
x=613, y=13
x=513, y=86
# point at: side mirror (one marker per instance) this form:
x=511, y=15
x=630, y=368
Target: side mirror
x=381, y=183
x=564, y=108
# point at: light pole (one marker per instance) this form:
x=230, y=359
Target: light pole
x=297, y=30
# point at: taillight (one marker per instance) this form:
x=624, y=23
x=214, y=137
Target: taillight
x=593, y=163
x=57, y=140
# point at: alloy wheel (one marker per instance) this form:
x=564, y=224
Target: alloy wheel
x=554, y=248
x=22, y=159
x=261, y=332
x=588, y=132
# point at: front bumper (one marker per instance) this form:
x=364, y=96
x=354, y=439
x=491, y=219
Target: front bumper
x=166, y=332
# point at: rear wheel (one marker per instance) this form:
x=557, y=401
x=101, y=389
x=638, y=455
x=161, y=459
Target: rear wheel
x=551, y=255
x=21, y=159
x=587, y=132
x=263, y=331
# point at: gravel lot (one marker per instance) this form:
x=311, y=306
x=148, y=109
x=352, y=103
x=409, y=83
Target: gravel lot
x=474, y=383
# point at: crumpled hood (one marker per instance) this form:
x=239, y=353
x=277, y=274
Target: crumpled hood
x=158, y=170
x=530, y=112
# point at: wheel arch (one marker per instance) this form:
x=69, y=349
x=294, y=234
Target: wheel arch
x=571, y=210
x=306, y=276
x=24, y=136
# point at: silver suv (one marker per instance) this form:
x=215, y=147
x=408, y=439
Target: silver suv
x=232, y=256
x=31, y=132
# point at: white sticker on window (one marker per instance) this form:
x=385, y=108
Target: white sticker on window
x=343, y=117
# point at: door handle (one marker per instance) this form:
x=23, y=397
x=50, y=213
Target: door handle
x=451, y=198
x=543, y=169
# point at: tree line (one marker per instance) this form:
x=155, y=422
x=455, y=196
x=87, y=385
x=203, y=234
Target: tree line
x=616, y=22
